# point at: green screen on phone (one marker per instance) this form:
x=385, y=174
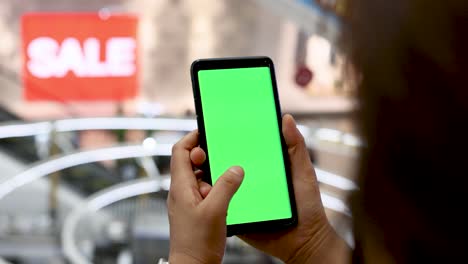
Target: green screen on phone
x=242, y=129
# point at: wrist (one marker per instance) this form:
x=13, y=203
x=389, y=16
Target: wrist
x=185, y=258
x=179, y=258
x=325, y=247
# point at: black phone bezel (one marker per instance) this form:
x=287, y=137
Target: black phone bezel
x=243, y=62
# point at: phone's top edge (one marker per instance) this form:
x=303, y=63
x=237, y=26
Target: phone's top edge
x=233, y=58
x=242, y=60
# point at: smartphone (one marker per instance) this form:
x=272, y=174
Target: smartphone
x=239, y=122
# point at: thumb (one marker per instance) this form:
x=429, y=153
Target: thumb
x=224, y=189
x=297, y=150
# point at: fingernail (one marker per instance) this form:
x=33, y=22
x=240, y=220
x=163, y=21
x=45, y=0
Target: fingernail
x=237, y=171
x=292, y=118
x=288, y=116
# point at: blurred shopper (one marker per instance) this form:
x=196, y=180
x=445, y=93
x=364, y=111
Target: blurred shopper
x=411, y=59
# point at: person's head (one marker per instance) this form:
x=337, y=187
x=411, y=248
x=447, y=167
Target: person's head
x=411, y=59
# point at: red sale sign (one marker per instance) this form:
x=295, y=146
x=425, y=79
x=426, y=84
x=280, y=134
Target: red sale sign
x=79, y=57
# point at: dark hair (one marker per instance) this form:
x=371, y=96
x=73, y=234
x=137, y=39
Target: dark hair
x=411, y=57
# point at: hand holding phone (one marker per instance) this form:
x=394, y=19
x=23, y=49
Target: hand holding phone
x=197, y=227
x=197, y=221
x=313, y=239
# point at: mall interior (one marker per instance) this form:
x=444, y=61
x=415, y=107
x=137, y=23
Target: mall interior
x=95, y=94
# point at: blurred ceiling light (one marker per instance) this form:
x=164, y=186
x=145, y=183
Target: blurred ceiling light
x=336, y=136
x=114, y=123
x=334, y=204
x=149, y=144
x=45, y=168
x=166, y=182
x=351, y=140
x=125, y=123
x=25, y=130
x=327, y=134
x=121, y=192
x=111, y=123
x=121, y=152
x=335, y=180
x=137, y=187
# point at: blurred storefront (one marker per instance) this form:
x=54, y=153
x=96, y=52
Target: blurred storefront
x=94, y=93
x=171, y=34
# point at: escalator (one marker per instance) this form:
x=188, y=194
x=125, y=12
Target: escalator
x=84, y=179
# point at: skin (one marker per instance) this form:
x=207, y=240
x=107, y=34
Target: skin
x=197, y=223
x=197, y=211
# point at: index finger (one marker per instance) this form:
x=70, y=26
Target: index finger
x=181, y=165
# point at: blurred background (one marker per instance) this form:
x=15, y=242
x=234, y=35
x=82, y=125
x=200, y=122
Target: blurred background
x=95, y=93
